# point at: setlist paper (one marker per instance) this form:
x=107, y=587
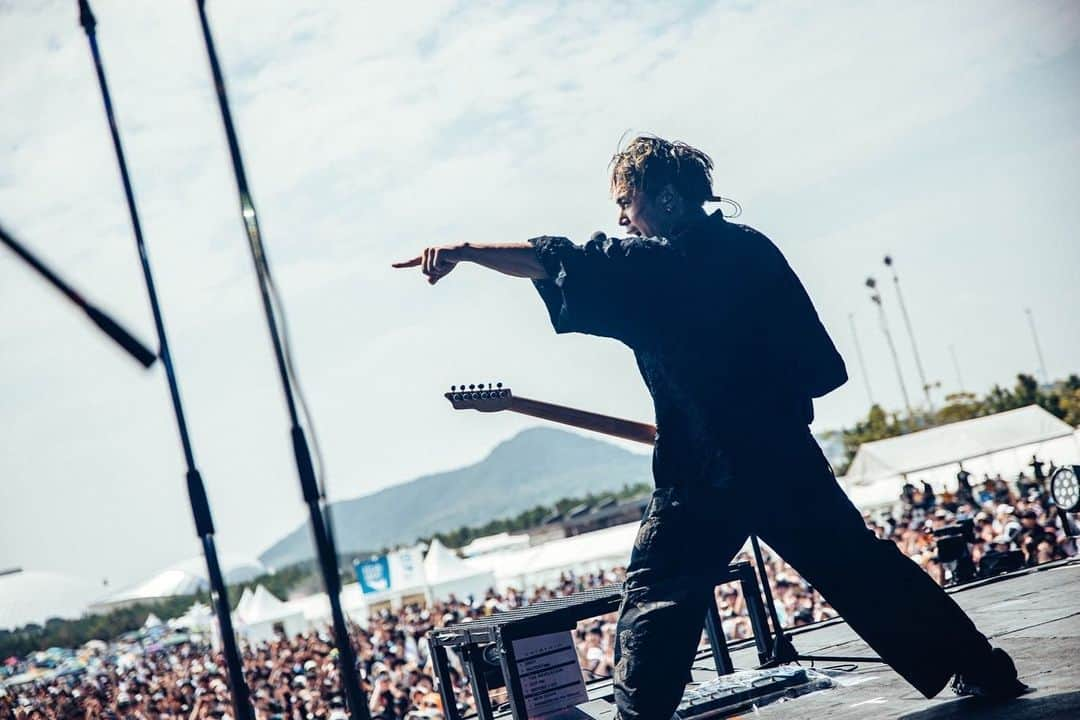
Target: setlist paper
x=550, y=674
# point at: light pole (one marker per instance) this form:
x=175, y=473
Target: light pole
x=862, y=362
x=910, y=332
x=1038, y=347
x=875, y=297
x=956, y=366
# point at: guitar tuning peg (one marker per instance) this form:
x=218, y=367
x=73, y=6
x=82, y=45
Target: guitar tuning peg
x=489, y=386
x=453, y=388
x=498, y=385
x=472, y=387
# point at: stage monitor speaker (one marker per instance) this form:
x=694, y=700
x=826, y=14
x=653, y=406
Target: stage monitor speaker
x=996, y=563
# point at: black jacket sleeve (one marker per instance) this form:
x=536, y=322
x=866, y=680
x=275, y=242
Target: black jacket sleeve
x=611, y=287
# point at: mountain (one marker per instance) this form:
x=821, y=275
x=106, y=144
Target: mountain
x=536, y=467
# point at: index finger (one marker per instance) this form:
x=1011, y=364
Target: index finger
x=408, y=263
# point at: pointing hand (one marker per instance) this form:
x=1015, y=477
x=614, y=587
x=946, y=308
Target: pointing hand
x=435, y=262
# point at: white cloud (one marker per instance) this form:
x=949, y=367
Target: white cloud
x=368, y=130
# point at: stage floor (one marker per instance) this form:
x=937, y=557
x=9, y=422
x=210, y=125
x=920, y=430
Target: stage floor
x=1034, y=615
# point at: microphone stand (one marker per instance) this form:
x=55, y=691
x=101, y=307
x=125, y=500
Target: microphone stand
x=313, y=496
x=144, y=355
x=782, y=651
x=200, y=506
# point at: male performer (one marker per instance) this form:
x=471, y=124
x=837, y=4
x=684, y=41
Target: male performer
x=732, y=352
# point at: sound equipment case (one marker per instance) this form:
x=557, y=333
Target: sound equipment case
x=485, y=645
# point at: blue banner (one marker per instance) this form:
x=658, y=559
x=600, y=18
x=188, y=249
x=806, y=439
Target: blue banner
x=374, y=574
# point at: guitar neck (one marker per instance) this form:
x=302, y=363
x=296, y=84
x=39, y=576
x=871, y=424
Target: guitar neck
x=605, y=424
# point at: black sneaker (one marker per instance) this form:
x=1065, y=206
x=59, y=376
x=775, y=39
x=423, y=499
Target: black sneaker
x=996, y=683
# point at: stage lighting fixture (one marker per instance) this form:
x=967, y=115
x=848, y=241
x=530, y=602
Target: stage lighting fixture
x=1065, y=488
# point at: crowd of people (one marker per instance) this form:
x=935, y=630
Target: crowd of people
x=1005, y=525
x=296, y=678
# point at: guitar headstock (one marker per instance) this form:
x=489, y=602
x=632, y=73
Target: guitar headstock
x=478, y=397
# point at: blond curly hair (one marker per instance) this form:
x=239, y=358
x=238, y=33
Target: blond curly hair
x=648, y=163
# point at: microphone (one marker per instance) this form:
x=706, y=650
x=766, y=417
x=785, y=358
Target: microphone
x=144, y=355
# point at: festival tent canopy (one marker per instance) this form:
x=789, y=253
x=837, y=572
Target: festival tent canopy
x=166, y=583
x=264, y=614
x=543, y=564
x=197, y=618
x=262, y=604
x=447, y=574
x=508, y=566
x=183, y=578
x=1002, y=443
x=589, y=552
x=244, y=603
x=316, y=608
x=493, y=543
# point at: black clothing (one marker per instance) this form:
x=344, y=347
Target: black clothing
x=732, y=352
x=724, y=334
x=684, y=543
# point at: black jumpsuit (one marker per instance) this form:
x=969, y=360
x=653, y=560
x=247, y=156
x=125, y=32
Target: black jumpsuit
x=732, y=352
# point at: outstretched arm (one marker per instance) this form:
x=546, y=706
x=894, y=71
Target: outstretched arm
x=514, y=259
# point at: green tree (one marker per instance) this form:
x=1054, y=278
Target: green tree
x=959, y=406
x=878, y=425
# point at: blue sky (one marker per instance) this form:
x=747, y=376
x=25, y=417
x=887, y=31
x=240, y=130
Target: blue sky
x=945, y=134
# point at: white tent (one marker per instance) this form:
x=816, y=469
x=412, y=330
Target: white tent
x=543, y=564
x=447, y=574
x=183, y=578
x=1003, y=443
x=198, y=618
x=354, y=603
x=589, y=552
x=244, y=603
x=393, y=578
x=523, y=568
x=264, y=614
x=494, y=543
x=316, y=608
x=168, y=582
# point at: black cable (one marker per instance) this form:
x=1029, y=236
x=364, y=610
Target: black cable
x=308, y=419
x=735, y=204
x=286, y=346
